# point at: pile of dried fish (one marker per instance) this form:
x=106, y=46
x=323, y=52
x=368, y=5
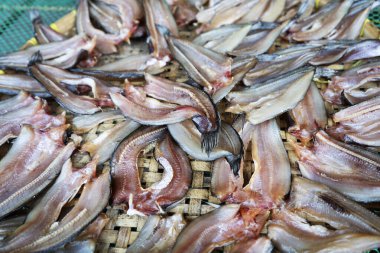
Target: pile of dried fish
x=73, y=125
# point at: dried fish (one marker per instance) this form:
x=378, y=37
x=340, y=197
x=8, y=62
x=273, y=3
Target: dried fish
x=266, y=70
x=62, y=54
x=272, y=169
x=210, y=69
x=207, y=122
x=271, y=98
x=172, y=187
x=226, y=224
x=224, y=183
x=158, y=234
x=319, y=203
x=240, y=67
x=53, y=79
x=86, y=241
x=273, y=10
x=182, y=102
x=358, y=123
x=309, y=115
x=260, y=245
x=14, y=83
x=352, y=171
x=92, y=201
x=355, y=84
x=35, y=159
x=105, y=143
x=48, y=208
x=291, y=233
x=128, y=11
x=259, y=42
x=351, y=25
x=33, y=114
x=16, y=102
x=43, y=33
x=229, y=144
x=347, y=51
x=84, y=123
x=158, y=18
x=255, y=13
x=321, y=23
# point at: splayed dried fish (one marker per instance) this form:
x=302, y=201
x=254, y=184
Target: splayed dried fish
x=281, y=64
x=16, y=102
x=158, y=18
x=226, y=224
x=62, y=54
x=158, y=234
x=33, y=114
x=43, y=33
x=229, y=144
x=357, y=84
x=270, y=181
x=172, y=187
x=42, y=154
x=272, y=97
x=309, y=115
x=84, y=123
x=351, y=25
x=291, y=233
x=46, y=212
x=54, y=80
x=352, y=171
x=208, y=68
x=86, y=241
x=320, y=203
x=259, y=41
x=105, y=143
x=358, y=123
x=272, y=169
x=321, y=23
x=182, y=102
x=92, y=201
x=11, y=84
x=347, y=51
x=224, y=12
x=128, y=11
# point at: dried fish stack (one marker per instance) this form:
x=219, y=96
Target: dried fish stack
x=239, y=125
